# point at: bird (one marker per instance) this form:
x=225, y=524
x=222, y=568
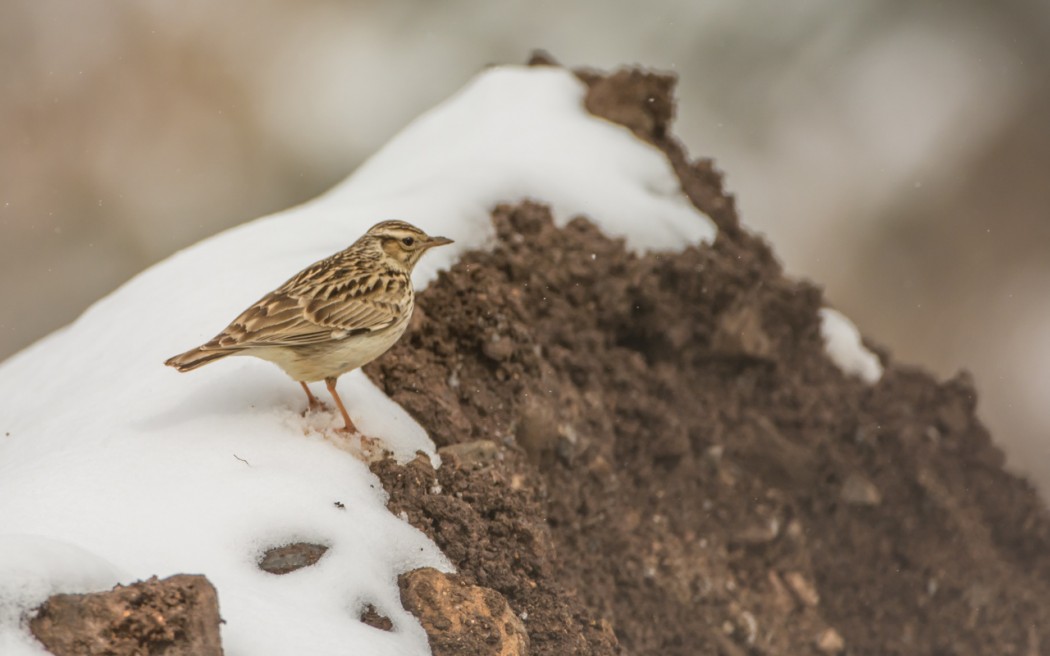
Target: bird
x=334, y=316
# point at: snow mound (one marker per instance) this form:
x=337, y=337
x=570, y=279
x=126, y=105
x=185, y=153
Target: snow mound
x=123, y=469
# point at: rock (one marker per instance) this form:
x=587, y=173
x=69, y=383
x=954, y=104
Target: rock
x=757, y=533
x=462, y=619
x=794, y=531
x=498, y=349
x=830, y=642
x=714, y=454
x=739, y=333
x=747, y=626
x=782, y=599
x=177, y=616
x=803, y=590
x=568, y=441
x=476, y=453
x=290, y=557
x=537, y=431
x=933, y=434
x=859, y=491
x=375, y=619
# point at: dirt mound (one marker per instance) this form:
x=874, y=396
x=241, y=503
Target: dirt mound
x=653, y=455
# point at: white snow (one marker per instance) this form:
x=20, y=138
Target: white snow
x=32, y=568
x=114, y=468
x=843, y=345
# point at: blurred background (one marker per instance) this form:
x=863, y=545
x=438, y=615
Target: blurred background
x=898, y=152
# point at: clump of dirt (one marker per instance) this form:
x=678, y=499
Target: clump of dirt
x=177, y=616
x=653, y=454
x=462, y=619
x=373, y=618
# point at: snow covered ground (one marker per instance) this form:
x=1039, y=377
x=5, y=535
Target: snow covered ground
x=114, y=468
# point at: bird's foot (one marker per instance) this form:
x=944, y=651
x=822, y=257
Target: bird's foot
x=315, y=406
x=348, y=428
x=371, y=447
x=371, y=444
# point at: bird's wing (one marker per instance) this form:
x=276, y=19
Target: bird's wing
x=323, y=302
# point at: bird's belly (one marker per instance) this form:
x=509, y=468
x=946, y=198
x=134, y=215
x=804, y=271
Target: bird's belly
x=314, y=362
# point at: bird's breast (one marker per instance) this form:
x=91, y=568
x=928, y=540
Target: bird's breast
x=335, y=357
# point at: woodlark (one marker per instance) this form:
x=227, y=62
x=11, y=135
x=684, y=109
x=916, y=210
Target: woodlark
x=332, y=317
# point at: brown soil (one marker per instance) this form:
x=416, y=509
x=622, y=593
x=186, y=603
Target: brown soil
x=462, y=619
x=671, y=464
x=177, y=616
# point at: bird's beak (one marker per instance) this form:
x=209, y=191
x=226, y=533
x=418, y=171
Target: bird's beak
x=438, y=241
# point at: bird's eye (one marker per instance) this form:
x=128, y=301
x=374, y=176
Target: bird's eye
x=408, y=241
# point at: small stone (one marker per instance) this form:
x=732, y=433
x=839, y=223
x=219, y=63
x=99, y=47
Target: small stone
x=498, y=348
x=567, y=441
x=933, y=434
x=804, y=591
x=537, y=430
x=859, y=491
x=739, y=333
x=290, y=557
x=460, y=618
x=714, y=454
x=476, y=453
x=830, y=642
x=748, y=626
x=782, y=599
x=375, y=619
x=757, y=534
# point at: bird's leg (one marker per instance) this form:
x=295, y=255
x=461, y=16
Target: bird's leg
x=349, y=427
x=313, y=401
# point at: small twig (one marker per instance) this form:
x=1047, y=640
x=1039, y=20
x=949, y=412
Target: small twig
x=242, y=460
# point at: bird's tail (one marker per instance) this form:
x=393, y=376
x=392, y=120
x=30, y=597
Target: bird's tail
x=197, y=357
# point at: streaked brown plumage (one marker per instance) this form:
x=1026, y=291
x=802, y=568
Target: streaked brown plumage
x=332, y=317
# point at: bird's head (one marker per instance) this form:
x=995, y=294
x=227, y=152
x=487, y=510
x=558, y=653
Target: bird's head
x=404, y=242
